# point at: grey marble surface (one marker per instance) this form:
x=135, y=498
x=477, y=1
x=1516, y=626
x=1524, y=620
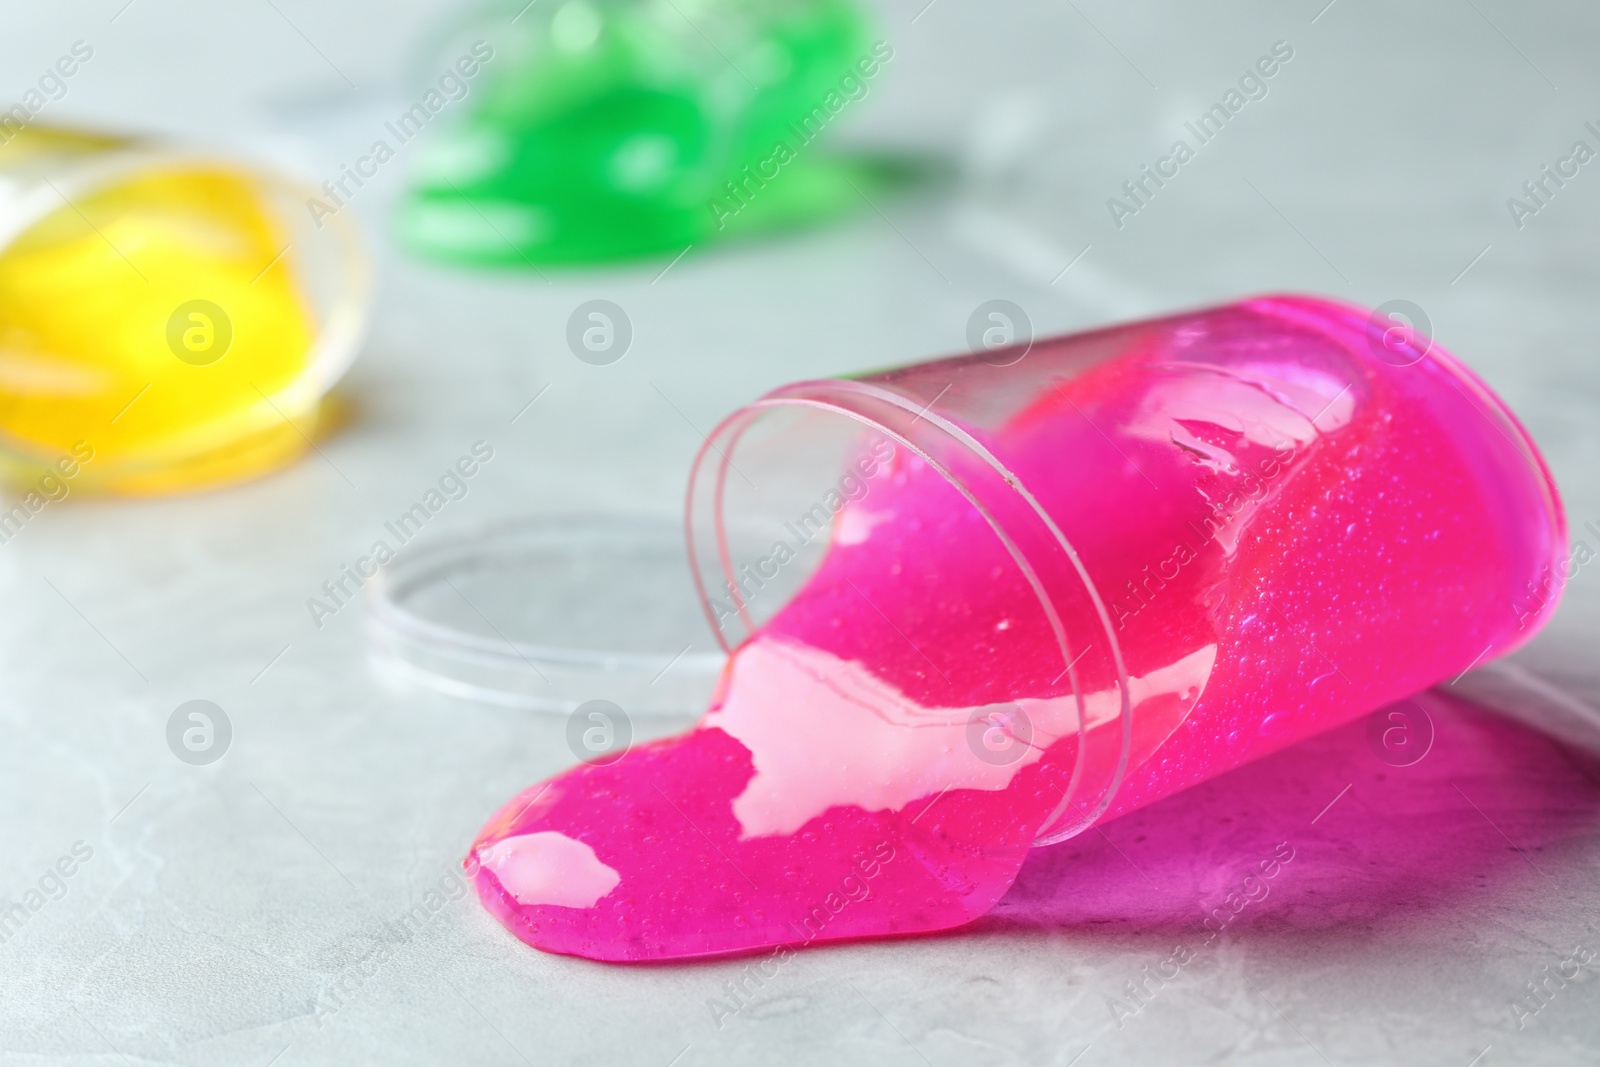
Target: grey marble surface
x=242, y=911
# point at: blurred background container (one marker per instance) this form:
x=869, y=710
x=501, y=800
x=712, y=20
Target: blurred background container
x=170, y=319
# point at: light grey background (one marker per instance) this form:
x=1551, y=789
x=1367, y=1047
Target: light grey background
x=223, y=904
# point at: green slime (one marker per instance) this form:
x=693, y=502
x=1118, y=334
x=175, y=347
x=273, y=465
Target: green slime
x=614, y=129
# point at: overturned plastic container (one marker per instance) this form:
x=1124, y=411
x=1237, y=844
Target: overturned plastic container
x=170, y=318
x=984, y=603
x=1145, y=554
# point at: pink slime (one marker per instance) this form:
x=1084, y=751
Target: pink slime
x=1290, y=529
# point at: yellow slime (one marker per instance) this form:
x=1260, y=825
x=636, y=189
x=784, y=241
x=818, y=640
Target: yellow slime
x=157, y=320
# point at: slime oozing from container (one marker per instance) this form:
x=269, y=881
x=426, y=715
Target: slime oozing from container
x=1287, y=530
x=87, y=295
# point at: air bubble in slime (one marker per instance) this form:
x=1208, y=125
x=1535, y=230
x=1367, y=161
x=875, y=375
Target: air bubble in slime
x=168, y=320
x=986, y=603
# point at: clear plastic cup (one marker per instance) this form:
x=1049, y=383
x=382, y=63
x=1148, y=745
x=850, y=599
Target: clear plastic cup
x=1202, y=537
x=170, y=319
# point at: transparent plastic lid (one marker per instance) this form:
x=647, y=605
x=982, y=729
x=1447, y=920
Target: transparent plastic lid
x=548, y=613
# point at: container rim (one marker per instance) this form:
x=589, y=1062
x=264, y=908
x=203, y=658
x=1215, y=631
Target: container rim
x=853, y=400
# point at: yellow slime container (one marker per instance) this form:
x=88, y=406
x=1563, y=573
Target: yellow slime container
x=168, y=321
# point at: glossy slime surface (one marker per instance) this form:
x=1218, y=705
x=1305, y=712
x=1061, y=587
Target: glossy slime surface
x=1287, y=529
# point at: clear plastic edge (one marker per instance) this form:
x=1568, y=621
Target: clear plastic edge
x=852, y=400
x=406, y=647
